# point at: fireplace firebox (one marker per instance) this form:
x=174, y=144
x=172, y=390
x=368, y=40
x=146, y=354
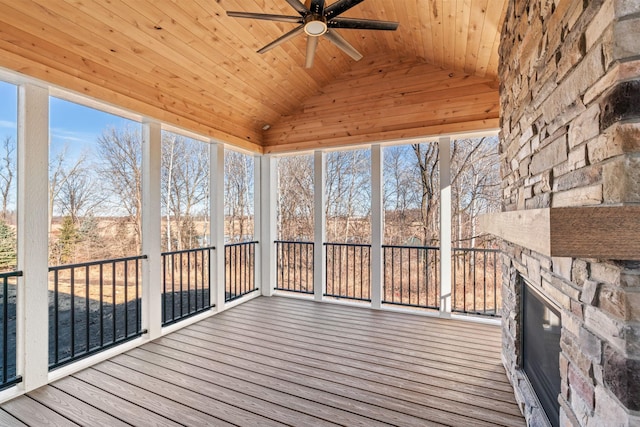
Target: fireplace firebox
x=541, y=327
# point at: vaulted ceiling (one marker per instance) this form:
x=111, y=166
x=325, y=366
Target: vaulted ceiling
x=188, y=64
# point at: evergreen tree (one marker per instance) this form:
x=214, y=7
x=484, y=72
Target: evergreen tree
x=68, y=239
x=8, y=259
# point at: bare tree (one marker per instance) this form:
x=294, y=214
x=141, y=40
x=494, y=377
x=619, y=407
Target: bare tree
x=402, y=191
x=238, y=182
x=79, y=195
x=295, y=197
x=59, y=173
x=120, y=151
x=185, y=185
x=7, y=173
x=427, y=163
x=348, y=192
x=475, y=185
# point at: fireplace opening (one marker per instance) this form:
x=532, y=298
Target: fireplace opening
x=541, y=328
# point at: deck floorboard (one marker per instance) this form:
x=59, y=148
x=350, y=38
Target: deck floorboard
x=285, y=361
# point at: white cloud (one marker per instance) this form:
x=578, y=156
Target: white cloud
x=7, y=124
x=66, y=135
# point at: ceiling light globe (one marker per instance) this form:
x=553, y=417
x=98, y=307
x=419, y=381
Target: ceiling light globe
x=315, y=28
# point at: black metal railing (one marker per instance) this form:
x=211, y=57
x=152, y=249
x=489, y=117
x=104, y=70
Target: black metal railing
x=348, y=269
x=475, y=274
x=294, y=266
x=186, y=283
x=93, y=306
x=411, y=276
x=9, y=324
x=240, y=279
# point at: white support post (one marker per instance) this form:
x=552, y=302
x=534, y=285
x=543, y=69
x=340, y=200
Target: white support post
x=33, y=234
x=257, y=222
x=265, y=218
x=444, y=161
x=216, y=224
x=319, y=229
x=151, y=229
x=377, y=226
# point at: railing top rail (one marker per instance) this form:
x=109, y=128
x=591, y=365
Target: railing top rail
x=16, y=273
x=357, y=245
x=254, y=242
x=92, y=263
x=184, y=251
x=410, y=247
x=476, y=249
x=301, y=242
x=437, y=248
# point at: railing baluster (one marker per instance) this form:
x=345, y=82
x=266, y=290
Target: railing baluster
x=393, y=276
x=495, y=284
x=73, y=313
x=9, y=327
x=164, y=288
x=126, y=299
x=113, y=300
x=197, y=278
x=484, y=282
x=101, y=321
x=56, y=311
x=138, y=300
x=87, y=307
x=188, y=282
x=5, y=329
x=361, y=271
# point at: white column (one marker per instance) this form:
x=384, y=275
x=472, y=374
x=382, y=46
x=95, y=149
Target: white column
x=216, y=224
x=444, y=161
x=151, y=229
x=32, y=217
x=257, y=222
x=319, y=229
x=377, y=226
x=265, y=217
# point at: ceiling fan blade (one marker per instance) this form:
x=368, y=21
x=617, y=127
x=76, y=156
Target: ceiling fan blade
x=337, y=39
x=339, y=7
x=277, y=42
x=266, y=17
x=362, y=24
x=317, y=7
x=299, y=7
x=312, y=45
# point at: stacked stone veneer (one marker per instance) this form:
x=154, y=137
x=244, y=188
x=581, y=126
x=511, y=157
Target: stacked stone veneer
x=570, y=136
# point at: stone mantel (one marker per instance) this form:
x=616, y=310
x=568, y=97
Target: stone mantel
x=602, y=232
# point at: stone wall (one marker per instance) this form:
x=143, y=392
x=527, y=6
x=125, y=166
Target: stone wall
x=570, y=136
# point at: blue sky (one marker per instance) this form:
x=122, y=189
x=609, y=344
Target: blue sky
x=77, y=126
x=8, y=109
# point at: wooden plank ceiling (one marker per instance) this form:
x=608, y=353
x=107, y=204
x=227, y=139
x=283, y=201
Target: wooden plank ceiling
x=188, y=64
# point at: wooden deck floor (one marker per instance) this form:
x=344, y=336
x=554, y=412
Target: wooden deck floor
x=279, y=361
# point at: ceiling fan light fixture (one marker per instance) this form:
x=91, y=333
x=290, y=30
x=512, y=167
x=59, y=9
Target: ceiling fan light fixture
x=315, y=20
x=315, y=28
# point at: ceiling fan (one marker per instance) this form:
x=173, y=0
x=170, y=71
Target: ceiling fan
x=317, y=19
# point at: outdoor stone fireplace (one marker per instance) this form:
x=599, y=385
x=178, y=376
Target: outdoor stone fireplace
x=570, y=137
